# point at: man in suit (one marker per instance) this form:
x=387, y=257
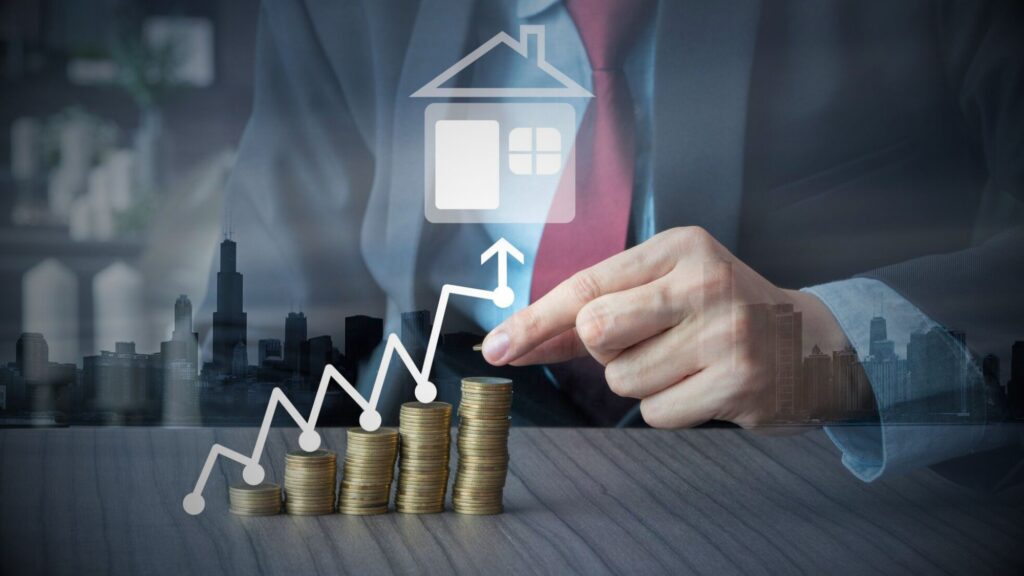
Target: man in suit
x=822, y=155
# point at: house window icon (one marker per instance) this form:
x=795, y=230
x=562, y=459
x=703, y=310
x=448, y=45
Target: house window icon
x=497, y=158
x=535, y=151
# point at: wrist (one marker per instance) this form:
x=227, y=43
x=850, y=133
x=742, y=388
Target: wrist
x=820, y=327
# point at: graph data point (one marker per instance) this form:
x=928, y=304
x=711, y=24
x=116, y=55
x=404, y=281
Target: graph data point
x=370, y=420
x=426, y=392
x=503, y=297
x=193, y=503
x=309, y=440
x=253, y=474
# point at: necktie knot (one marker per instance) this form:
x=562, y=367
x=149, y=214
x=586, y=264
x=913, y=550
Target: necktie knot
x=608, y=28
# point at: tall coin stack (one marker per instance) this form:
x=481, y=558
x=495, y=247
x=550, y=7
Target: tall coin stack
x=260, y=500
x=423, y=461
x=369, y=468
x=309, y=482
x=483, y=445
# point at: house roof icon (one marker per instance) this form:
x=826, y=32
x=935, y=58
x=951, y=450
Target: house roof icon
x=568, y=89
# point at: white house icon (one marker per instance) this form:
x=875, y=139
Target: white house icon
x=501, y=161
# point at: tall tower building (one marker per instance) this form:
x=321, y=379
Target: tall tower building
x=294, y=336
x=179, y=363
x=788, y=325
x=183, y=332
x=880, y=347
x=229, y=320
x=182, y=318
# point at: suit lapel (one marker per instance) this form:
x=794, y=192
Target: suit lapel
x=703, y=57
x=438, y=40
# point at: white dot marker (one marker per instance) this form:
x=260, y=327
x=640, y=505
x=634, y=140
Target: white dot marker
x=309, y=440
x=193, y=503
x=503, y=297
x=426, y=392
x=253, y=474
x=370, y=420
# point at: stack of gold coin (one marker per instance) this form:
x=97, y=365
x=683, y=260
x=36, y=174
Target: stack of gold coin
x=260, y=500
x=309, y=482
x=483, y=445
x=369, y=468
x=423, y=462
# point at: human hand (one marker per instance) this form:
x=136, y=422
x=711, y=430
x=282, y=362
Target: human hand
x=678, y=322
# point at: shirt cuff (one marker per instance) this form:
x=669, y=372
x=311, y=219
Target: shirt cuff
x=923, y=418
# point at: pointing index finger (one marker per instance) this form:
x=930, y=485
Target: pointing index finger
x=556, y=311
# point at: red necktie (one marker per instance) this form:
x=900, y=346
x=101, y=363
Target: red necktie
x=605, y=154
x=605, y=148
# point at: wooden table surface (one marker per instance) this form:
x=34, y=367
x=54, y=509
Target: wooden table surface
x=588, y=501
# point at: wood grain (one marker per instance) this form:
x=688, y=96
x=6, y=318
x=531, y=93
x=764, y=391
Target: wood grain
x=586, y=501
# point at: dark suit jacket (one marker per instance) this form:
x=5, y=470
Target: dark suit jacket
x=818, y=140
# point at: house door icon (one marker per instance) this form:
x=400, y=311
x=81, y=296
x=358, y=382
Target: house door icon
x=495, y=160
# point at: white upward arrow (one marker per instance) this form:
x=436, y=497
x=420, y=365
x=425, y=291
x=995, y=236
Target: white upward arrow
x=503, y=248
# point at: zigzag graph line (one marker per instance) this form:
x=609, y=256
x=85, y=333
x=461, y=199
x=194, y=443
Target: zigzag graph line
x=370, y=419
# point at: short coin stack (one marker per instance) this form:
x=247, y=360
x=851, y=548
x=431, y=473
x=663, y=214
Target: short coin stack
x=369, y=469
x=483, y=445
x=259, y=500
x=309, y=482
x=423, y=462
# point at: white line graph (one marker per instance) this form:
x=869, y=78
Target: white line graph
x=309, y=440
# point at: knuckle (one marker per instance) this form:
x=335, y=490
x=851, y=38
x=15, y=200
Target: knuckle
x=690, y=237
x=715, y=279
x=747, y=329
x=653, y=415
x=528, y=323
x=584, y=286
x=699, y=237
x=617, y=379
x=592, y=326
x=663, y=297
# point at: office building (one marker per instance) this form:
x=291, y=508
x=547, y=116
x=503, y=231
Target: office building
x=123, y=382
x=294, y=336
x=416, y=333
x=788, y=326
x=269, y=348
x=317, y=353
x=937, y=366
x=362, y=335
x=816, y=399
x=33, y=358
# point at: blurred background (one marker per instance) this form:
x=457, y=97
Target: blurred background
x=120, y=121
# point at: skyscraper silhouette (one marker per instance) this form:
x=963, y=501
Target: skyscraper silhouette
x=269, y=348
x=788, y=325
x=362, y=335
x=415, y=333
x=880, y=347
x=183, y=331
x=179, y=365
x=33, y=357
x=229, y=320
x=294, y=336
x=817, y=385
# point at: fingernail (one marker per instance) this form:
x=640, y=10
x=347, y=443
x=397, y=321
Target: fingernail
x=495, y=347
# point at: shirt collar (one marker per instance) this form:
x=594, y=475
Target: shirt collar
x=530, y=8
